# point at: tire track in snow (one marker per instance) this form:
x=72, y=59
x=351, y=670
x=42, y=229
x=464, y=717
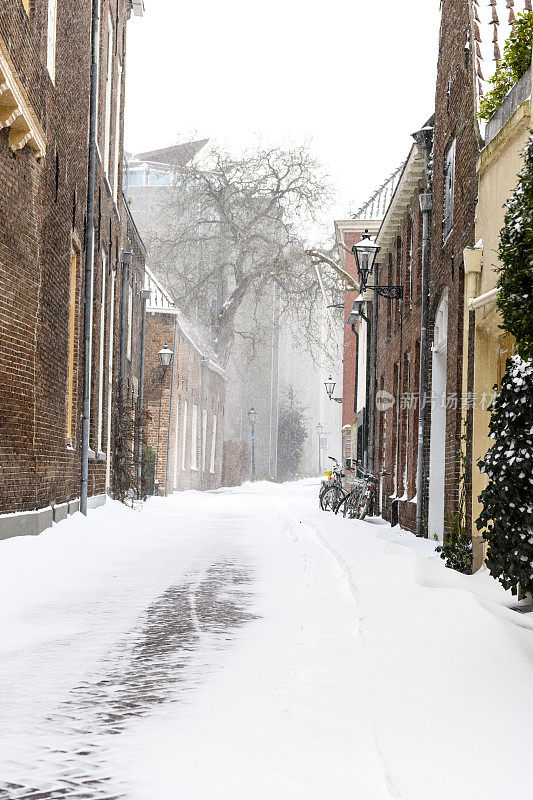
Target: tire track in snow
x=392, y=787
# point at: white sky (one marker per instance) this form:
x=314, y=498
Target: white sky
x=287, y=71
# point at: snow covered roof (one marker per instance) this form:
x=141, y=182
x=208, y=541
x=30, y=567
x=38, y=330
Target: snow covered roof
x=411, y=177
x=493, y=22
x=376, y=206
x=177, y=155
x=162, y=302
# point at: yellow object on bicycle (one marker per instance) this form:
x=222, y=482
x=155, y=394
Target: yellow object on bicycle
x=328, y=473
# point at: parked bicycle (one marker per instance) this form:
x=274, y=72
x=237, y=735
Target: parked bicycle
x=356, y=503
x=332, y=491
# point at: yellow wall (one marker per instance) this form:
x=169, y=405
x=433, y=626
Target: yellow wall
x=498, y=166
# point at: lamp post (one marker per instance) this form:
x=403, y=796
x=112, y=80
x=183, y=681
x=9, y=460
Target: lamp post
x=330, y=386
x=365, y=253
x=252, y=416
x=165, y=360
x=319, y=430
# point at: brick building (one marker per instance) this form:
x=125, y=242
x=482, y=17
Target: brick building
x=356, y=344
x=185, y=433
x=455, y=150
x=398, y=345
x=45, y=59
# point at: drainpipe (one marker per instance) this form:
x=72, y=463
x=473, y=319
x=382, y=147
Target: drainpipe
x=172, y=377
x=424, y=139
x=145, y=296
x=373, y=367
x=426, y=205
x=125, y=261
x=89, y=257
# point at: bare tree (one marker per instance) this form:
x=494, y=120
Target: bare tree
x=233, y=231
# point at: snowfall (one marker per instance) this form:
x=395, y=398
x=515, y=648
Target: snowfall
x=244, y=644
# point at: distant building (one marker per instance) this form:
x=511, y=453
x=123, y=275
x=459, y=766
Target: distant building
x=184, y=435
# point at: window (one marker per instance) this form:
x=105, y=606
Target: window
x=118, y=128
x=449, y=190
x=194, y=438
x=51, y=39
x=110, y=376
x=410, y=264
x=102, y=352
x=176, y=443
x=108, y=87
x=71, y=335
x=184, y=440
x=204, y=437
x=130, y=321
x=408, y=405
x=213, y=445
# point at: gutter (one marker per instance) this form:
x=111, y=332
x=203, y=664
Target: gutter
x=89, y=258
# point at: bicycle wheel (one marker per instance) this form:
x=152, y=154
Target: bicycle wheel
x=363, y=509
x=330, y=498
x=352, y=505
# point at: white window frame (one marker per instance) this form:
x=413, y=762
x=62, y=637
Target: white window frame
x=118, y=128
x=176, y=443
x=411, y=261
x=108, y=90
x=213, y=445
x=204, y=437
x=51, y=40
x=194, y=438
x=101, y=359
x=184, y=439
x=130, y=321
x=449, y=190
x=110, y=378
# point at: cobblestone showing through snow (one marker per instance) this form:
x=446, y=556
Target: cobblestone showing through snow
x=146, y=669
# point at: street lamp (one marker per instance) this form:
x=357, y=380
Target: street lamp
x=365, y=253
x=252, y=416
x=330, y=386
x=165, y=360
x=319, y=430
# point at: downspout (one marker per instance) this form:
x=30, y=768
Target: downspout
x=426, y=205
x=373, y=368
x=125, y=261
x=172, y=378
x=145, y=295
x=89, y=257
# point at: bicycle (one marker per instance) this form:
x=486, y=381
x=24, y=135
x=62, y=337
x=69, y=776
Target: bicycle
x=357, y=503
x=332, y=491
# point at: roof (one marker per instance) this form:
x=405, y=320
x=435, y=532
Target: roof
x=165, y=305
x=177, y=155
x=411, y=176
x=493, y=22
x=376, y=206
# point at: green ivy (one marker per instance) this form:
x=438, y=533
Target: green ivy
x=456, y=549
x=507, y=516
x=515, y=284
x=516, y=60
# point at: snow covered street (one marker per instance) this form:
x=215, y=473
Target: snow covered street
x=242, y=644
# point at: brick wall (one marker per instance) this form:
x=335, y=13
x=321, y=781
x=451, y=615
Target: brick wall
x=42, y=219
x=198, y=389
x=454, y=118
x=398, y=344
